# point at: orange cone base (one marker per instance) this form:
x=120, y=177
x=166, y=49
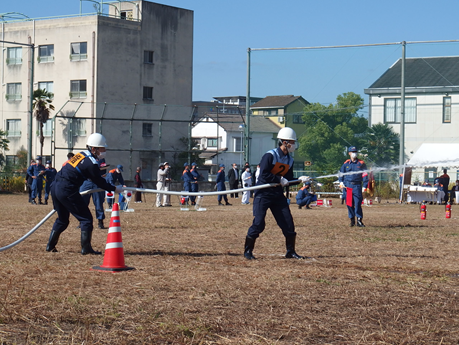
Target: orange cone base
x=111, y=269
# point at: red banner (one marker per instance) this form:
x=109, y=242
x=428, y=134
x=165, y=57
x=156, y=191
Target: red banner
x=349, y=196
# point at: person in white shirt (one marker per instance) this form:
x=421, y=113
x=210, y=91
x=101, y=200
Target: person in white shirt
x=246, y=182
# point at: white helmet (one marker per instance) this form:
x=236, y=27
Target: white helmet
x=96, y=140
x=286, y=133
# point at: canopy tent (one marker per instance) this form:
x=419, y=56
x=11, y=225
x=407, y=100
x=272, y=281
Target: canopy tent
x=436, y=155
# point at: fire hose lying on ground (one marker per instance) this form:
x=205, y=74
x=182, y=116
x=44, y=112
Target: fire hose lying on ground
x=143, y=190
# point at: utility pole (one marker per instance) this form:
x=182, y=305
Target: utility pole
x=247, y=112
x=402, y=110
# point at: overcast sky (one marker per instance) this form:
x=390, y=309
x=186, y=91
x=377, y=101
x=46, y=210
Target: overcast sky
x=223, y=30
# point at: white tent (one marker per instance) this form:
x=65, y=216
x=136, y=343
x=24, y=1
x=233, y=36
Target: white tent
x=436, y=155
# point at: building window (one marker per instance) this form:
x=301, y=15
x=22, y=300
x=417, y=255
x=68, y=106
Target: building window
x=78, y=51
x=147, y=129
x=79, y=127
x=212, y=142
x=127, y=15
x=13, y=92
x=48, y=128
x=46, y=85
x=78, y=89
x=46, y=53
x=148, y=93
x=392, y=110
x=148, y=57
x=237, y=144
x=14, y=56
x=12, y=160
x=446, y=109
x=298, y=119
x=13, y=128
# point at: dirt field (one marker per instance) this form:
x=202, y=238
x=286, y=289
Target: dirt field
x=394, y=282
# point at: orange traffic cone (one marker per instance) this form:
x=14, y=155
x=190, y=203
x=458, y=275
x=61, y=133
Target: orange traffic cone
x=114, y=252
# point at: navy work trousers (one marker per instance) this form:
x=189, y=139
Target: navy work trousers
x=357, y=198
x=280, y=210
x=68, y=201
x=194, y=188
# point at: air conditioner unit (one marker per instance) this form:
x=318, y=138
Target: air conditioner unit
x=280, y=119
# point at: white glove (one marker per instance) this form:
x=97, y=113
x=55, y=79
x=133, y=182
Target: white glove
x=341, y=185
x=119, y=189
x=283, y=182
x=364, y=189
x=304, y=179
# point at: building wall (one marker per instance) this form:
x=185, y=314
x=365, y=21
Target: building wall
x=429, y=126
x=115, y=72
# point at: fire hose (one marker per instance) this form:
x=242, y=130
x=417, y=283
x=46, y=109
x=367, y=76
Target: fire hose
x=49, y=215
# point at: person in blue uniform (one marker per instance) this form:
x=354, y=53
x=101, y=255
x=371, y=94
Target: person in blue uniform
x=50, y=175
x=187, y=178
x=115, y=177
x=29, y=178
x=350, y=178
x=97, y=197
x=221, y=186
x=37, y=184
x=276, y=166
x=305, y=197
x=194, y=183
x=67, y=198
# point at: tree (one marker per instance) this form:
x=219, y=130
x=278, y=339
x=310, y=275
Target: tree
x=3, y=146
x=42, y=105
x=330, y=130
x=382, y=145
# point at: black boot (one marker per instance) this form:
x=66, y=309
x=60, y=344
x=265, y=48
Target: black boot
x=248, y=248
x=359, y=223
x=228, y=204
x=53, y=238
x=220, y=204
x=307, y=207
x=86, y=247
x=46, y=201
x=101, y=224
x=352, y=221
x=290, y=244
x=299, y=207
x=39, y=201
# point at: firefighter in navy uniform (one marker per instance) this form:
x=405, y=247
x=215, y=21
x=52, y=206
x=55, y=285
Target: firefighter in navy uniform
x=66, y=197
x=354, y=181
x=276, y=166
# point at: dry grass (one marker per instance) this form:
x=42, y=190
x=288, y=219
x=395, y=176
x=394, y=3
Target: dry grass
x=394, y=282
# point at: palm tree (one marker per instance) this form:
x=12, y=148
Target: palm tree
x=42, y=108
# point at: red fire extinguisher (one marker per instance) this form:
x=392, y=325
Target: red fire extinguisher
x=423, y=209
x=448, y=210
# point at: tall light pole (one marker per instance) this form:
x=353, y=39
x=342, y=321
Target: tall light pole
x=241, y=129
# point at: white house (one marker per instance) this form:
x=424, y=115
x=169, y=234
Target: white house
x=432, y=101
x=221, y=138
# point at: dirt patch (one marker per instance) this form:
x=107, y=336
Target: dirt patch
x=393, y=282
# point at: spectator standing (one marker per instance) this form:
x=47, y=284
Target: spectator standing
x=50, y=175
x=160, y=181
x=444, y=180
x=194, y=184
x=113, y=177
x=221, y=186
x=37, y=184
x=233, y=179
x=187, y=179
x=29, y=179
x=246, y=179
x=138, y=184
x=167, y=185
x=352, y=183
